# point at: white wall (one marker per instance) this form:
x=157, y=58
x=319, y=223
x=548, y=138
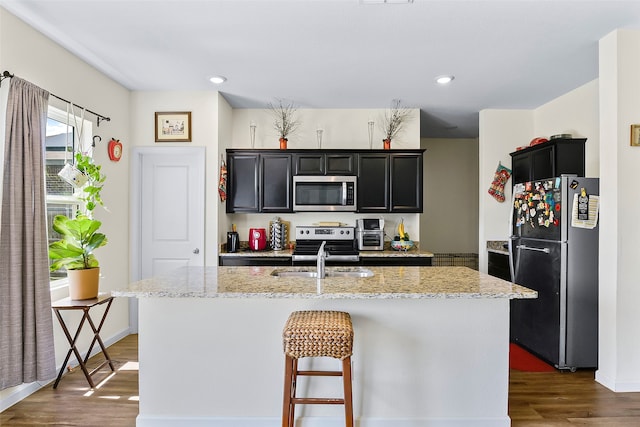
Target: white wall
x=576, y=113
x=33, y=57
x=449, y=223
x=619, y=317
x=501, y=131
x=204, y=133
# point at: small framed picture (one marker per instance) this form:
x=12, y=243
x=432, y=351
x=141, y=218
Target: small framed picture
x=173, y=126
x=635, y=135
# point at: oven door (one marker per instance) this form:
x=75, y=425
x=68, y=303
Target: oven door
x=339, y=252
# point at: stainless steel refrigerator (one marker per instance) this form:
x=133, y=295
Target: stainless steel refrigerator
x=554, y=250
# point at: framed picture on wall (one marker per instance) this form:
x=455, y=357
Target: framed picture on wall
x=173, y=126
x=635, y=135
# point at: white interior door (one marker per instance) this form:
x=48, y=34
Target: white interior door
x=167, y=199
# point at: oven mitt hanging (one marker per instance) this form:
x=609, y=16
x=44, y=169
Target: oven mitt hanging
x=499, y=180
x=222, y=183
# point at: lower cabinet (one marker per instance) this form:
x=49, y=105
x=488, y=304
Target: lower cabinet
x=498, y=266
x=248, y=261
x=283, y=261
x=396, y=261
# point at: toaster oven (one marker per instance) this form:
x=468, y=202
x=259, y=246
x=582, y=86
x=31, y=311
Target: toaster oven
x=370, y=234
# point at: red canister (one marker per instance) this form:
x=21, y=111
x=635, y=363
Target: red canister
x=257, y=239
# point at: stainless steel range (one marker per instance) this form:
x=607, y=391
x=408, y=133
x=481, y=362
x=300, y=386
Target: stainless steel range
x=341, y=244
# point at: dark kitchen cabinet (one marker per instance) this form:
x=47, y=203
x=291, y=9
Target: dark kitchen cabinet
x=242, y=182
x=261, y=180
x=275, y=183
x=390, y=182
x=258, y=182
x=373, y=182
x=406, y=182
x=498, y=265
x=324, y=164
x=550, y=159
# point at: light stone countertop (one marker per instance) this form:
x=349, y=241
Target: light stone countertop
x=387, y=283
x=497, y=246
x=413, y=253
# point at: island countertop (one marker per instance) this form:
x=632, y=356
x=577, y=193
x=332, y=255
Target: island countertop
x=386, y=283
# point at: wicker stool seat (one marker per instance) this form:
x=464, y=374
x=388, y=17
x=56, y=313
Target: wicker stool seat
x=317, y=333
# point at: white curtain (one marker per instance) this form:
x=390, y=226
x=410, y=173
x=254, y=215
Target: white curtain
x=26, y=326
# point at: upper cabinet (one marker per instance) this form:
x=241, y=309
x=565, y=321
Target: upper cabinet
x=315, y=163
x=406, y=182
x=550, y=159
x=242, y=181
x=261, y=180
x=390, y=181
x=258, y=182
x=373, y=182
x=275, y=183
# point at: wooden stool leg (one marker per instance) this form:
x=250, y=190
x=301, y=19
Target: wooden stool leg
x=294, y=382
x=348, y=403
x=286, y=398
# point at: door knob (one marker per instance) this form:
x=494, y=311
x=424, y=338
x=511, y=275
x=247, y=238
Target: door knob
x=196, y=251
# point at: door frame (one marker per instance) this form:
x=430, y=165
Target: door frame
x=135, y=214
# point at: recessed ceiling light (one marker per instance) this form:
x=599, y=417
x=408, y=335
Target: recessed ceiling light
x=443, y=80
x=386, y=1
x=218, y=79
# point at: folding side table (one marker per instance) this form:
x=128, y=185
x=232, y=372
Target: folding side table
x=85, y=306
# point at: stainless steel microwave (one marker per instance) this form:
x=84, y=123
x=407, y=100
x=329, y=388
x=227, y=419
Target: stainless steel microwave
x=319, y=193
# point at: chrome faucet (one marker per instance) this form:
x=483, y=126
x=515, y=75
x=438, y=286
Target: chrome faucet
x=320, y=258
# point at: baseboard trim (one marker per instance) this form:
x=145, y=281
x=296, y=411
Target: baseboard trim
x=22, y=391
x=617, y=386
x=153, y=421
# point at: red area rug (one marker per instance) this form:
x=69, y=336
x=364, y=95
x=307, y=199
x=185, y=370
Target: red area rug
x=522, y=360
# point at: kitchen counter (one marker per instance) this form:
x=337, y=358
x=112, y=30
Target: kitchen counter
x=414, y=252
x=387, y=282
x=497, y=246
x=431, y=347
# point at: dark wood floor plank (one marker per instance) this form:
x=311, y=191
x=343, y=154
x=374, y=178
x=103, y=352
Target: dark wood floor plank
x=545, y=399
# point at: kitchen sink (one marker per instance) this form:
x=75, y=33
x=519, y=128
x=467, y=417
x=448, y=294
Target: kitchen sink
x=356, y=272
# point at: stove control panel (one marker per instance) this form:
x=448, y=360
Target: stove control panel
x=308, y=232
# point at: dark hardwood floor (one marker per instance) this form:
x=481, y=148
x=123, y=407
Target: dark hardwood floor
x=555, y=399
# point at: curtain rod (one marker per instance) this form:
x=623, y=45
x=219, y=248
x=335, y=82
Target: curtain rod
x=7, y=75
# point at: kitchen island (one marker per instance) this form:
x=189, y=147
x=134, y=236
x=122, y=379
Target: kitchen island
x=430, y=348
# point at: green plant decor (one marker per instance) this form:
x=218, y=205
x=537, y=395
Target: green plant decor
x=80, y=238
x=91, y=191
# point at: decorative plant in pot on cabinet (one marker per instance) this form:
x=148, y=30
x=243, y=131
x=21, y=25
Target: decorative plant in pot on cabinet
x=284, y=120
x=80, y=236
x=393, y=121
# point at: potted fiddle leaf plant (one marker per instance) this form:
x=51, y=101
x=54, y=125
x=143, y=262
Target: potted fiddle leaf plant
x=80, y=236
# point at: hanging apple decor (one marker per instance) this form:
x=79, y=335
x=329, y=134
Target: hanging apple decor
x=115, y=149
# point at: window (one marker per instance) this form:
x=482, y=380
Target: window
x=62, y=142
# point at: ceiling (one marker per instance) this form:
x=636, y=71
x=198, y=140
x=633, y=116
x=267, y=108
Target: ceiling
x=343, y=53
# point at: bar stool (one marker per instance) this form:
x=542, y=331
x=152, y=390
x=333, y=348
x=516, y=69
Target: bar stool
x=317, y=334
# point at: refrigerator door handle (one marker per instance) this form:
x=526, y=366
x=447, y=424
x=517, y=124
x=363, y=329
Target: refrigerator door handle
x=529, y=248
